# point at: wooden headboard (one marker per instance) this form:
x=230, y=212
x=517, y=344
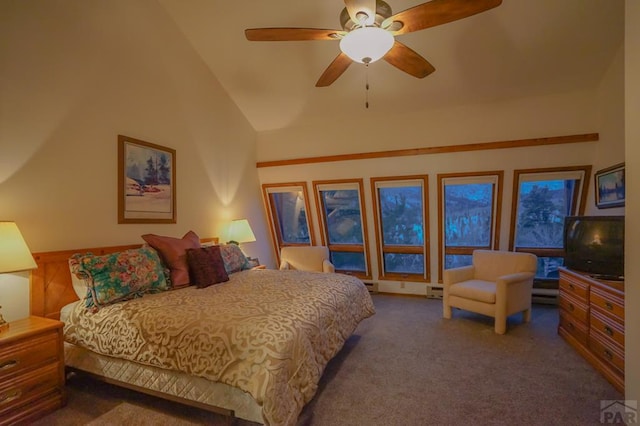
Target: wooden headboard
x=51, y=287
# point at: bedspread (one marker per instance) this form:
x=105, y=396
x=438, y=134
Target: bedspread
x=269, y=333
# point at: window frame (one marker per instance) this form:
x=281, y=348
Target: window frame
x=496, y=177
x=578, y=204
x=425, y=276
x=275, y=228
x=349, y=184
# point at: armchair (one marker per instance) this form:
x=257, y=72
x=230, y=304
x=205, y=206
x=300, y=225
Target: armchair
x=306, y=258
x=497, y=284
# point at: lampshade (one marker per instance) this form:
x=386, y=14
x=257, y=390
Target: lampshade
x=14, y=253
x=367, y=44
x=240, y=231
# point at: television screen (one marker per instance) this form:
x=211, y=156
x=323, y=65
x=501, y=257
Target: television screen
x=595, y=245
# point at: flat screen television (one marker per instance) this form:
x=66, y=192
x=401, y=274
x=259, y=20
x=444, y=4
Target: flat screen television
x=595, y=245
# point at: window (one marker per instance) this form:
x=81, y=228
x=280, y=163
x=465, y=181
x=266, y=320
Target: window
x=340, y=206
x=469, y=216
x=287, y=207
x=401, y=220
x=541, y=200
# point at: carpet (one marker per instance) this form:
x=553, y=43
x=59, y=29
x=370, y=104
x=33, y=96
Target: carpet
x=129, y=414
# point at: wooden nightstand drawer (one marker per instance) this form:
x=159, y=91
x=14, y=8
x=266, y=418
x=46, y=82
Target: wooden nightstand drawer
x=28, y=388
x=605, y=350
x=573, y=327
x=31, y=370
x=27, y=354
x=575, y=308
x=609, y=328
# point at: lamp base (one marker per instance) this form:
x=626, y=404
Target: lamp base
x=4, y=327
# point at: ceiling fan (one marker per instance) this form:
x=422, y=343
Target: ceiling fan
x=368, y=33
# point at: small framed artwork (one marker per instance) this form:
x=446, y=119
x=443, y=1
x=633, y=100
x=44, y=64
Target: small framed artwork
x=146, y=182
x=609, y=185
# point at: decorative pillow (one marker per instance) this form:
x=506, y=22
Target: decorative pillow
x=79, y=280
x=234, y=259
x=206, y=266
x=120, y=276
x=174, y=253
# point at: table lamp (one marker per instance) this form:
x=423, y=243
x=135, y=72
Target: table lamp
x=240, y=232
x=14, y=255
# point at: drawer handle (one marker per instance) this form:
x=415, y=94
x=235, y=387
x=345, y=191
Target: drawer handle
x=608, y=355
x=609, y=306
x=572, y=287
x=608, y=330
x=8, y=364
x=10, y=396
x=571, y=307
x=571, y=326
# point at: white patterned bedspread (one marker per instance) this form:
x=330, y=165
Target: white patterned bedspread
x=270, y=333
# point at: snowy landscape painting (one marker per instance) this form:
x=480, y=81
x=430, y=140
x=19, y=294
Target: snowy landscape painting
x=146, y=182
x=610, y=187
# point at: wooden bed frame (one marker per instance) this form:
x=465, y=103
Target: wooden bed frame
x=51, y=290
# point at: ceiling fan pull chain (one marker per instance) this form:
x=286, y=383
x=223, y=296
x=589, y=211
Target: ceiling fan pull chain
x=366, y=73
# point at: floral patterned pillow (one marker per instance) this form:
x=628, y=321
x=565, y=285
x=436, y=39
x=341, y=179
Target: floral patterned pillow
x=120, y=276
x=233, y=258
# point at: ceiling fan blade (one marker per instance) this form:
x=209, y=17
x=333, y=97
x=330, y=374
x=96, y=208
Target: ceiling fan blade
x=437, y=12
x=291, y=34
x=407, y=60
x=334, y=70
x=367, y=7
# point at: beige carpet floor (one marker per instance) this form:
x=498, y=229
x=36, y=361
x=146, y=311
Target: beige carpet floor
x=408, y=366
x=128, y=414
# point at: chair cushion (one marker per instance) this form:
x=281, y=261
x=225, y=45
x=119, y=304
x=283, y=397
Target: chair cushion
x=480, y=290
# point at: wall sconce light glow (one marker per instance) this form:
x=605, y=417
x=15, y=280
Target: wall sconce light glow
x=367, y=44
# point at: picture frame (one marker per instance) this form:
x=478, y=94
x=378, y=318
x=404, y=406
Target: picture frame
x=146, y=182
x=610, y=187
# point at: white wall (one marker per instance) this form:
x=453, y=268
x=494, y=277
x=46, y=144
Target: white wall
x=74, y=75
x=632, y=230
x=542, y=116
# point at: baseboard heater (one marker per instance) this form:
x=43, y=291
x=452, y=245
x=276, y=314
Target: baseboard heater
x=371, y=286
x=547, y=296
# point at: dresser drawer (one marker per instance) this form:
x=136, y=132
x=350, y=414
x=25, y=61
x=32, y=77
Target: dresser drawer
x=609, y=303
x=575, y=308
x=29, y=388
x=27, y=354
x=605, y=350
x=576, y=328
x=609, y=328
x=579, y=290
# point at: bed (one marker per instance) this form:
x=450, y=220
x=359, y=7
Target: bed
x=253, y=347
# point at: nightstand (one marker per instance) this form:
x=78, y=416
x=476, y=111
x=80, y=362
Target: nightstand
x=31, y=370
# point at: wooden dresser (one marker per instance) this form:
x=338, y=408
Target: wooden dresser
x=31, y=370
x=592, y=321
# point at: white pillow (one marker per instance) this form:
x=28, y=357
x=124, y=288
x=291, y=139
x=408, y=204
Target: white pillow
x=80, y=285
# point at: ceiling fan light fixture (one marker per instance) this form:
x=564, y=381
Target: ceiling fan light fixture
x=367, y=44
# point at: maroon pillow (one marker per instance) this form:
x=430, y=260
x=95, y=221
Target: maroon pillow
x=206, y=266
x=174, y=253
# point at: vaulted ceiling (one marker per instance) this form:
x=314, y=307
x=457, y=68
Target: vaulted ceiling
x=521, y=48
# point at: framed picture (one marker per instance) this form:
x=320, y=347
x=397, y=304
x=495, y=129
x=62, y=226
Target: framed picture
x=146, y=182
x=610, y=187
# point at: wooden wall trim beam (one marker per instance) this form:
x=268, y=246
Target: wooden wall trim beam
x=520, y=143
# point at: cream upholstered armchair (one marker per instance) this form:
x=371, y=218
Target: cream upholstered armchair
x=497, y=284
x=306, y=258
